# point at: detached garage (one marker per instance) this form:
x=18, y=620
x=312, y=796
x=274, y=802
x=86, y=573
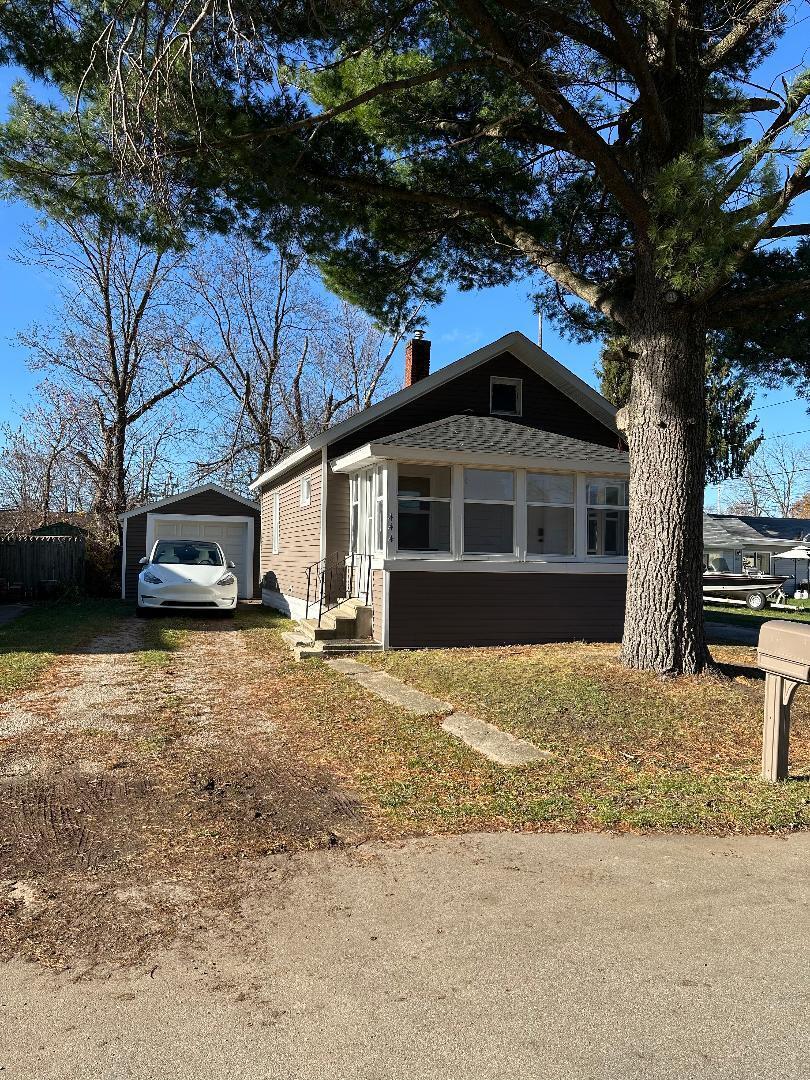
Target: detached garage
x=208, y=512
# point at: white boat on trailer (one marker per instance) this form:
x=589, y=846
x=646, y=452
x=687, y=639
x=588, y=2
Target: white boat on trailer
x=753, y=587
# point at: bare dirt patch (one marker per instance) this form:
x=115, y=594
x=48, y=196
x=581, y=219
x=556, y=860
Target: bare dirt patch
x=131, y=797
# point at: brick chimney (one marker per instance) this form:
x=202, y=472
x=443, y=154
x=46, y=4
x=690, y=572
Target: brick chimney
x=417, y=358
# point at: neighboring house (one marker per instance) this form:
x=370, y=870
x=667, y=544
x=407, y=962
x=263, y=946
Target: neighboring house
x=748, y=543
x=206, y=512
x=483, y=504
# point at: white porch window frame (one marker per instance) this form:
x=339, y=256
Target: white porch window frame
x=393, y=508
x=391, y=553
x=305, y=491
x=367, y=501
x=543, y=556
x=620, y=507
x=518, y=545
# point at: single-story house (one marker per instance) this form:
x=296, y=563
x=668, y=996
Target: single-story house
x=483, y=504
x=207, y=512
x=754, y=543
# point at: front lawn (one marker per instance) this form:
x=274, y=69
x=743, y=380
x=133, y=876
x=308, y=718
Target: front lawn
x=630, y=751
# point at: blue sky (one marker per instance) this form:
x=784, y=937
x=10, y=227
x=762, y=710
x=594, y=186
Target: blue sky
x=463, y=322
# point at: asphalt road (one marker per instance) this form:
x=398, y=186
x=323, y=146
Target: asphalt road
x=491, y=957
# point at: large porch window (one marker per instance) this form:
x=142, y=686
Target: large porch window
x=607, y=503
x=489, y=512
x=423, y=508
x=550, y=502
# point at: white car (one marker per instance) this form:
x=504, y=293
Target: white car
x=186, y=575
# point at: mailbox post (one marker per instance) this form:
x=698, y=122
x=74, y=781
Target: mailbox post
x=784, y=655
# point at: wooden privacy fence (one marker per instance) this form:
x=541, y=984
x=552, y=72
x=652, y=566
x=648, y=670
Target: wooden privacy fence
x=37, y=565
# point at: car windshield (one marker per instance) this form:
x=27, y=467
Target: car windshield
x=187, y=553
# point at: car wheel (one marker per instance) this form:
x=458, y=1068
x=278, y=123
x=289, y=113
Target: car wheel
x=756, y=601
x=142, y=612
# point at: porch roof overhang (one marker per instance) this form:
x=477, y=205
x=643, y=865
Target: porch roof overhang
x=488, y=440
x=377, y=453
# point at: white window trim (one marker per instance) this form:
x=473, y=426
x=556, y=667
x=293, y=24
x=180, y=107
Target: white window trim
x=513, y=502
x=415, y=553
x=497, y=380
x=305, y=491
x=275, y=538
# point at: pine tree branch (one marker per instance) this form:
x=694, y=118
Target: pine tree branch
x=747, y=24
x=781, y=232
x=744, y=306
x=519, y=233
x=587, y=142
x=636, y=62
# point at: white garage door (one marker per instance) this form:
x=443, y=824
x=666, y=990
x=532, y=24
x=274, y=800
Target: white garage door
x=232, y=536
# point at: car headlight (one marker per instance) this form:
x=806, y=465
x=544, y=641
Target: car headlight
x=152, y=579
x=226, y=579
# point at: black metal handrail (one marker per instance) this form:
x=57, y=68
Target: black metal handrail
x=336, y=578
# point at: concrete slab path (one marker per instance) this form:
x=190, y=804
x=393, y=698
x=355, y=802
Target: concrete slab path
x=499, y=746
x=487, y=957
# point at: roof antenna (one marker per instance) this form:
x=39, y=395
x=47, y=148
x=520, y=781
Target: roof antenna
x=540, y=327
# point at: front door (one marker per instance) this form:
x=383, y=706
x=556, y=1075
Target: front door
x=366, y=512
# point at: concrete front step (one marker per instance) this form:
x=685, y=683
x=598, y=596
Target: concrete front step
x=350, y=621
x=335, y=647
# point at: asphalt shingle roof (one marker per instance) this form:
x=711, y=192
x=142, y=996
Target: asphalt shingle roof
x=730, y=529
x=493, y=435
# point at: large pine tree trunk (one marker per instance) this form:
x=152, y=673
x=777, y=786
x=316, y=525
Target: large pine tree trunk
x=665, y=424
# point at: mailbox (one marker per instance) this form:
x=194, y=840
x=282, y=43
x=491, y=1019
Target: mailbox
x=784, y=655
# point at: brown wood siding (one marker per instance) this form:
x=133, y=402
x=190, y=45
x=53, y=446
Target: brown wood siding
x=205, y=503
x=434, y=609
x=544, y=407
x=337, y=513
x=377, y=603
x=299, y=532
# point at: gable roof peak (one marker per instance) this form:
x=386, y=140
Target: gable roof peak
x=515, y=342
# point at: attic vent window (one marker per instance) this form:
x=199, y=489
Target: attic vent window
x=506, y=397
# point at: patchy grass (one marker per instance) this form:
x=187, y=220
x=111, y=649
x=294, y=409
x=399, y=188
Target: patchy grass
x=161, y=640
x=630, y=751
x=30, y=644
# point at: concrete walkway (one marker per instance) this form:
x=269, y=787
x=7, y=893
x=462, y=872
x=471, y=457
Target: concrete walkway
x=499, y=746
x=494, y=957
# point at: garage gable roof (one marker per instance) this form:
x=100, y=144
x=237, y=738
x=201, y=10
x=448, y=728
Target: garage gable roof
x=146, y=508
x=515, y=343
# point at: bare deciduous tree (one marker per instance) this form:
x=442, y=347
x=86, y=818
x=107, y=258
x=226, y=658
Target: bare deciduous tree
x=116, y=350
x=284, y=361
x=772, y=482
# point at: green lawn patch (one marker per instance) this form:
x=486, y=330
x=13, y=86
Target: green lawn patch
x=33, y=641
x=737, y=615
